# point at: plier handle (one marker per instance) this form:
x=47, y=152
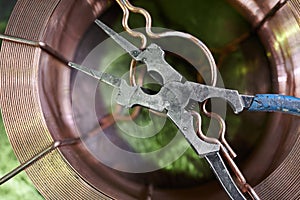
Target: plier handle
x=174, y=96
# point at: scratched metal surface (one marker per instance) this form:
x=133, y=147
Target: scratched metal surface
x=62, y=179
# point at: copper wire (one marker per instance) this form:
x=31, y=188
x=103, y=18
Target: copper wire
x=57, y=143
x=126, y=26
x=225, y=148
x=244, y=186
x=222, y=129
x=108, y=123
x=34, y=159
x=190, y=37
x=126, y=6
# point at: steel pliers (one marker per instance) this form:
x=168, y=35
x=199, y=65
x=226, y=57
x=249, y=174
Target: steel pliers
x=174, y=96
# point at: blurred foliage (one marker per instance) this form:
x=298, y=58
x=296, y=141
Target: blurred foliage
x=6, y=7
x=214, y=22
x=20, y=187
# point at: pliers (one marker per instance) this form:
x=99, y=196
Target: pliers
x=176, y=93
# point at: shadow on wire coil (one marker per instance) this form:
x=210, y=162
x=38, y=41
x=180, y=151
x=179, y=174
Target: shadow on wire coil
x=37, y=107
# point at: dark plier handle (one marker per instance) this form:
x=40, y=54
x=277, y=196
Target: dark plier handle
x=219, y=168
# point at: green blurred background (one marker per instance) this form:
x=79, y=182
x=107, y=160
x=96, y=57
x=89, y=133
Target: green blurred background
x=20, y=187
x=200, y=20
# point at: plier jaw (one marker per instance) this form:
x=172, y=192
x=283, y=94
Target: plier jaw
x=173, y=97
x=175, y=94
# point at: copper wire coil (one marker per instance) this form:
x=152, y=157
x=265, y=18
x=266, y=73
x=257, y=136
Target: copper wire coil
x=34, y=119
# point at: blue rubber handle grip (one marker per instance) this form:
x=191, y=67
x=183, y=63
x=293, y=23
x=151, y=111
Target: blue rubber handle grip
x=276, y=103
